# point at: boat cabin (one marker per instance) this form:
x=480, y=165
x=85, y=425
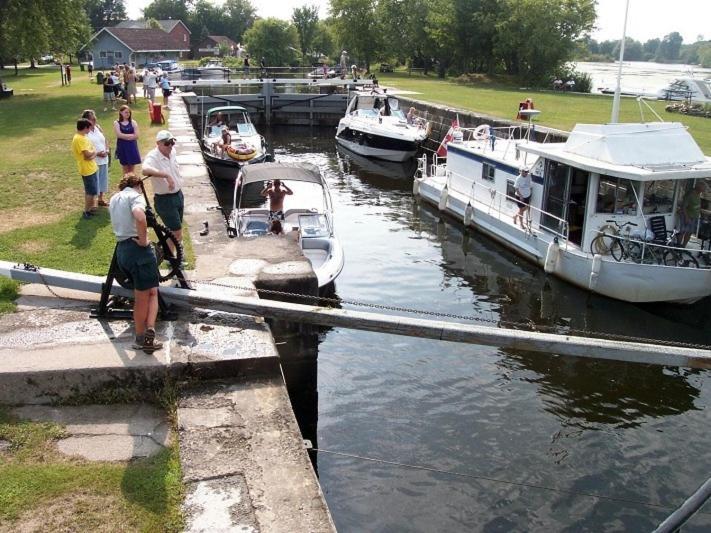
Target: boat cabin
x=637, y=173
x=372, y=104
x=235, y=118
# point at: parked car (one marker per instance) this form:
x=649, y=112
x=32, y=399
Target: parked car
x=385, y=67
x=46, y=59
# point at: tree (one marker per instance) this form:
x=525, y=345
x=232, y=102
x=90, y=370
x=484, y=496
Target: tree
x=633, y=50
x=103, y=13
x=167, y=9
x=650, y=48
x=305, y=20
x=355, y=21
x=534, y=37
x=240, y=16
x=273, y=39
x=669, y=47
x=324, y=43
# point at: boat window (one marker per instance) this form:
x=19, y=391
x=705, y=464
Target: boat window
x=659, y=197
x=616, y=196
x=510, y=191
x=488, y=172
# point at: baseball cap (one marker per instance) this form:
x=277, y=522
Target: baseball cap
x=164, y=135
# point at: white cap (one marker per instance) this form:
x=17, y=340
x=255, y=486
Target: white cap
x=164, y=135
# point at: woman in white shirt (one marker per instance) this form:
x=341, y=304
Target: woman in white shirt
x=97, y=138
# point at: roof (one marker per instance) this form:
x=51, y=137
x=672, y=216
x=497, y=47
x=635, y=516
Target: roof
x=220, y=39
x=282, y=171
x=643, y=152
x=166, y=25
x=145, y=39
x=225, y=109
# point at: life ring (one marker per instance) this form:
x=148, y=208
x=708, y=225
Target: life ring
x=482, y=132
x=244, y=153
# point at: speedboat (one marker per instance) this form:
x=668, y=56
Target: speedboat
x=603, y=204
x=308, y=216
x=694, y=89
x=171, y=68
x=247, y=145
x=375, y=126
x=213, y=69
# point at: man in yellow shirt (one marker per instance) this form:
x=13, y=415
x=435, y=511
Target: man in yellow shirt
x=84, y=153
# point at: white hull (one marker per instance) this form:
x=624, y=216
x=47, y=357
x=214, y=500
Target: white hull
x=397, y=156
x=627, y=281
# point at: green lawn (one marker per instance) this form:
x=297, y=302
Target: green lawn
x=43, y=490
x=41, y=193
x=558, y=110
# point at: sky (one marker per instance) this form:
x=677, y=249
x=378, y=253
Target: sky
x=647, y=19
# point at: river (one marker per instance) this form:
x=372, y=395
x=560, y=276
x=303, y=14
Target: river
x=419, y=435
x=639, y=77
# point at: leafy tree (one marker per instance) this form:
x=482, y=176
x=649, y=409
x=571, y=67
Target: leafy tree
x=324, y=43
x=705, y=55
x=650, y=48
x=167, y=9
x=273, y=39
x=669, y=47
x=405, y=37
x=240, y=15
x=354, y=21
x=535, y=36
x=633, y=50
x=105, y=12
x=305, y=20
x=206, y=19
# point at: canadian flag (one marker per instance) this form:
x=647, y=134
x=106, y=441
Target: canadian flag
x=442, y=150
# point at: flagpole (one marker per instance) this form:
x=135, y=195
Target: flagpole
x=616, y=99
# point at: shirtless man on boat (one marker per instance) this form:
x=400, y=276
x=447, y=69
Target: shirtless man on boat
x=276, y=191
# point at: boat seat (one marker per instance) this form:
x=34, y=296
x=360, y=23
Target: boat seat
x=658, y=226
x=255, y=227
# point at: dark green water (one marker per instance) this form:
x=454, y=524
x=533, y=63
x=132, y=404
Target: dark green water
x=508, y=441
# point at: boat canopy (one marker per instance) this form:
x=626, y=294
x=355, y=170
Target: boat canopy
x=281, y=171
x=226, y=109
x=641, y=152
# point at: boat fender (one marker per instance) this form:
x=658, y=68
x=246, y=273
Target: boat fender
x=552, y=256
x=468, y=215
x=442, y=204
x=416, y=186
x=594, y=271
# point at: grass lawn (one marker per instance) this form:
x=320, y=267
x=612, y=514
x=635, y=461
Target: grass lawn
x=41, y=489
x=41, y=193
x=558, y=110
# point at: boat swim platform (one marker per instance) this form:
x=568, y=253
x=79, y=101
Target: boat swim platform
x=237, y=433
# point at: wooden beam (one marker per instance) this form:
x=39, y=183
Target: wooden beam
x=546, y=343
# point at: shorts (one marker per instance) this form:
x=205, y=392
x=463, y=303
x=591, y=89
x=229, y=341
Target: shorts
x=276, y=215
x=686, y=224
x=91, y=184
x=151, y=92
x=166, y=92
x=139, y=264
x=109, y=97
x=523, y=202
x=102, y=177
x=170, y=208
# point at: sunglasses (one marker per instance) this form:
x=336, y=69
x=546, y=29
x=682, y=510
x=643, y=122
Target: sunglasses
x=169, y=143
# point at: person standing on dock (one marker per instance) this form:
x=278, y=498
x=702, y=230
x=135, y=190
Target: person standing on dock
x=276, y=191
x=523, y=188
x=85, y=156
x=344, y=64
x=245, y=63
x=135, y=257
x=162, y=167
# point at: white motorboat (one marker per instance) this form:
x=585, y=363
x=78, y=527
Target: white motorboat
x=694, y=89
x=375, y=126
x=308, y=215
x=602, y=178
x=247, y=146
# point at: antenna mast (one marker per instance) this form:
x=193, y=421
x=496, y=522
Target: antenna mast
x=616, y=100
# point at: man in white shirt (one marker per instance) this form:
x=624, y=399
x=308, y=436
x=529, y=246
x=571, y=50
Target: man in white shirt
x=162, y=167
x=150, y=83
x=136, y=259
x=96, y=136
x=523, y=188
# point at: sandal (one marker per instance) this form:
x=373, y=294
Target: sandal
x=103, y=204
x=150, y=344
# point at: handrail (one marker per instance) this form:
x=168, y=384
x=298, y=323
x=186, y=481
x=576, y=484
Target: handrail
x=500, y=211
x=647, y=244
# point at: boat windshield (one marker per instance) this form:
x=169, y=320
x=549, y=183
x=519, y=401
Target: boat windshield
x=313, y=225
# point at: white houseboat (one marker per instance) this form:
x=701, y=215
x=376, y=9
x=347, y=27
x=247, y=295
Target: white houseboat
x=604, y=177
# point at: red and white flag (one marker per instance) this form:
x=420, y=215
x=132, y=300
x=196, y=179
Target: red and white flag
x=442, y=150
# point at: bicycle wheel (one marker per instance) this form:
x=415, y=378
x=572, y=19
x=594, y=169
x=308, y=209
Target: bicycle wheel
x=680, y=258
x=616, y=250
x=633, y=252
x=602, y=244
x=164, y=253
